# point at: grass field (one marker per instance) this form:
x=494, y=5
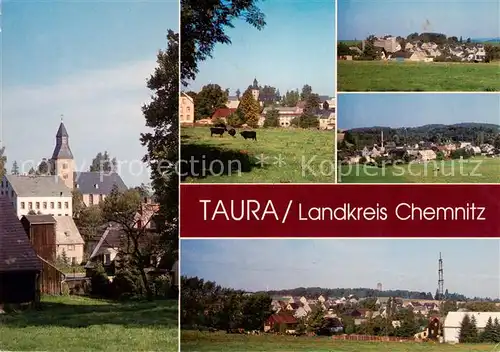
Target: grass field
x=417, y=76
x=288, y=155
x=204, y=342
x=475, y=170
x=83, y=324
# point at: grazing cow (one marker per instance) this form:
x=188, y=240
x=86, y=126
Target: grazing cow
x=216, y=130
x=231, y=132
x=249, y=135
x=221, y=125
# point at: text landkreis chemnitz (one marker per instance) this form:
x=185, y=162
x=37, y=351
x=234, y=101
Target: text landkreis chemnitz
x=251, y=209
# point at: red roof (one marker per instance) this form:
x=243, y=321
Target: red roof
x=281, y=318
x=222, y=113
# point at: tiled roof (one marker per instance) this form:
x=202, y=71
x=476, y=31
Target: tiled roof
x=38, y=186
x=40, y=219
x=16, y=252
x=66, y=231
x=223, y=112
x=98, y=182
x=282, y=318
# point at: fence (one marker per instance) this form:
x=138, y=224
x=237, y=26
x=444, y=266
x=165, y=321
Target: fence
x=371, y=338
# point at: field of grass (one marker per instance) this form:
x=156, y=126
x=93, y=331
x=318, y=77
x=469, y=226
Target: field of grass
x=474, y=170
x=278, y=156
x=417, y=76
x=204, y=342
x=71, y=323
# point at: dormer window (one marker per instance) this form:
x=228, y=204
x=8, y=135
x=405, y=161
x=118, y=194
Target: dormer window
x=96, y=186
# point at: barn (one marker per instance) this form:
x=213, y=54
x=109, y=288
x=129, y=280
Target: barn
x=41, y=232
x=453, y=320
x=19, y=265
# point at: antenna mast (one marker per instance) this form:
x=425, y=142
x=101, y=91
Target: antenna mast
x=440, y=279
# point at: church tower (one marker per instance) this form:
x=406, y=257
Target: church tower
x=255, y=89
x=63, y=164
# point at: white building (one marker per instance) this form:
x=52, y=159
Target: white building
x=47, y=195
x=69, y=240
x=453, y=320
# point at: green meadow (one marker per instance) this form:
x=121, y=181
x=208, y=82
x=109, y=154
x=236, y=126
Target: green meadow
x=474, y=170
x=417, y=76
x=220, y=342
x=72, y=323
x=278, y=156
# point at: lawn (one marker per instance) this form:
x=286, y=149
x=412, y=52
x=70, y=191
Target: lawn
x=71, y=323
x=278, y=156
x=204, y=342
x=417, y=76
x=474, y=170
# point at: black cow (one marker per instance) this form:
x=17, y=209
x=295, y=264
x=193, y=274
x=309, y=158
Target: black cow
x=249, y=135
x=231, y=132
x=216, y=130
x=221, y=125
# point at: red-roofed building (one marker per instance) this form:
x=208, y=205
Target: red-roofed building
x=281, y=322
x=222, y=113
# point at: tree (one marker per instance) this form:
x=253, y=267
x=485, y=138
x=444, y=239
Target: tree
x=90, y=221
x=43, y=167
x=210, y=98
x=291, y=98
x=315, y=319
x=496, y=331
x=3, y=161
x=272, y=118
x=15, y=169
x=306, y=92
x=305, y=121
x=103, y=163
x=312, y=104
x=162, y=116
x=203, y=25
x=249, y=109
x=488, y=335
x=468, y=330
x=236, y=119
x=140, y=244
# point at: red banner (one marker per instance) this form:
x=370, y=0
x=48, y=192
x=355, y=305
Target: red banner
x=340, y=210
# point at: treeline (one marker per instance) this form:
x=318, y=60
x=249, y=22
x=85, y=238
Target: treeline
x=315, y=292
x=206, y=304
x=469, y=332
x=476, y=132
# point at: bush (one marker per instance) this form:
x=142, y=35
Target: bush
x=162, y=287
x=65, y=289
x=127, y=284
x=99, y=282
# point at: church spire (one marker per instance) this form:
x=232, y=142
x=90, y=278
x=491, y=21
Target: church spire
x=62, y=149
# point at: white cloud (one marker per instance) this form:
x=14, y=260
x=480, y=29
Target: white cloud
x=101, y=108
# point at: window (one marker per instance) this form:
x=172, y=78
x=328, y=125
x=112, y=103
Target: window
x=65, y=166
x=65, y=176
x=91, y=199
x=12, y=194
x=30, y=205
x=71, y=247
x=100, y=198
x=44, y=205
x=66, y=205
x=107, y=258
x=73, y=261
x=37, y=205
x=23, y=205
x=59, y=205
x=51, y=205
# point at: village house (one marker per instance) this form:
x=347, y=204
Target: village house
x=37, y=195
x=186, y=109
x=69, y=242
x=281, y=322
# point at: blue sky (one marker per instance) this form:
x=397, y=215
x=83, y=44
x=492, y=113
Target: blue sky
x=357, y=19
x=88, y=61
x=415, y=109
x=471, y=267
x=295, y=48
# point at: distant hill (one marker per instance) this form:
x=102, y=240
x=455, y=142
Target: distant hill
x=477, y=133
x=486, y=40
x=314, y=292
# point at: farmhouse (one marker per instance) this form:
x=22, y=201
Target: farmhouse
x=186, y=109
x=454, y=319
x=281, y=322
x=19, y=265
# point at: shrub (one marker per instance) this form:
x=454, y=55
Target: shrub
x=99, y=282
